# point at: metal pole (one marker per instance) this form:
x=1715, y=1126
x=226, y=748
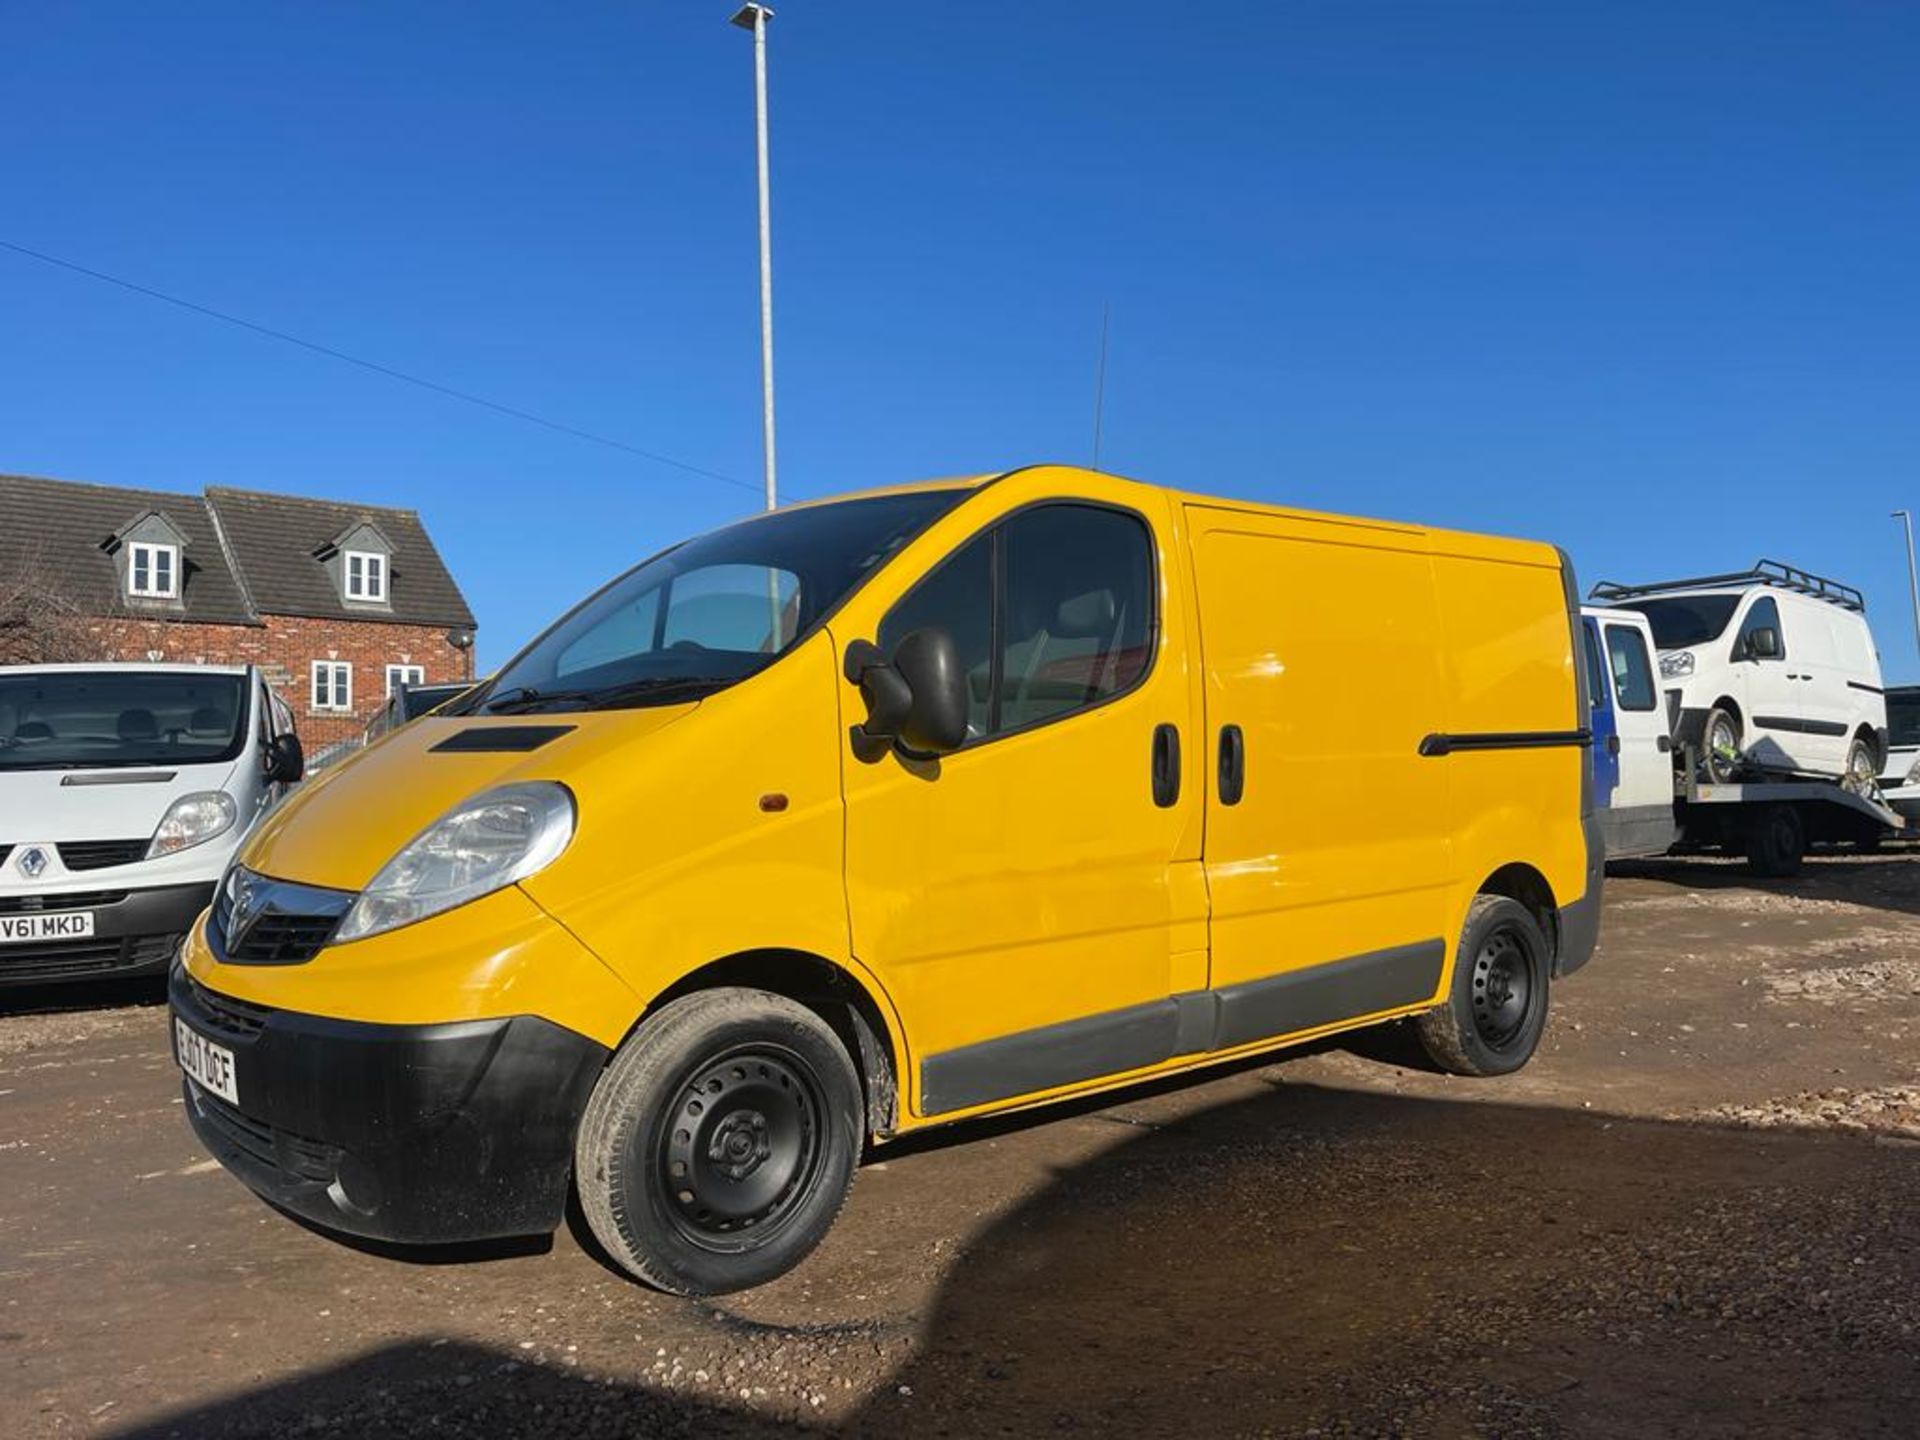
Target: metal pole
x=1913, y=575
x=755, y=18
x=1100, y=381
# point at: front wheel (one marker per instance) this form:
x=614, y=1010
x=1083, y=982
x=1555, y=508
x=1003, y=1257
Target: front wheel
x=1496, y=1010
x=720, y=1142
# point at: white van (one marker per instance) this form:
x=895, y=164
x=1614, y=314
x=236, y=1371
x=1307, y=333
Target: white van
x=1770, y=669
x=1632, y=749
x=124, y=791
x=1900, y=779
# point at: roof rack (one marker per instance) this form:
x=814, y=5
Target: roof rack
x=1764, y=572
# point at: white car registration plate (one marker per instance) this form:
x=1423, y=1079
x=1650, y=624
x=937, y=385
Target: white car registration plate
x=209, y=1064
x=60, y=925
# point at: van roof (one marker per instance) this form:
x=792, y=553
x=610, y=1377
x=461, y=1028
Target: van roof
x=129, y=667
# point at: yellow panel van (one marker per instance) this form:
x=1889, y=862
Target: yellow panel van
x=880, y=812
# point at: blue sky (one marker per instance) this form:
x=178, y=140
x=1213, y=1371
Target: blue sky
x=1637, y=278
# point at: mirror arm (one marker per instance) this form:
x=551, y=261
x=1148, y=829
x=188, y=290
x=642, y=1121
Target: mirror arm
x=887, y=697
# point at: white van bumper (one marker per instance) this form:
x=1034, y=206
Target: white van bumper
x=123, y=920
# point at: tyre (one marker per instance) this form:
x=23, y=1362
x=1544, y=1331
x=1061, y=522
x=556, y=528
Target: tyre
x=1776, y=842
x=1862, y=775
x=1496, y=1010
x=720, y=1142
x=1720, y=745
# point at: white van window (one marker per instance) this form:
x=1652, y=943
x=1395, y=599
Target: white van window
x=72, y=720
x=1599, y=694
x=1632, y=668
x=1682, y=621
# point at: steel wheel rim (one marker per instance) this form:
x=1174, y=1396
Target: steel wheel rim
x=743, y=1146
x=1723, y=745
x=1504, y=985
x=1860, y=769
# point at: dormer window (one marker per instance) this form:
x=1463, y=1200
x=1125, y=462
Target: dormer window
x=366, y=576
x=153, y=571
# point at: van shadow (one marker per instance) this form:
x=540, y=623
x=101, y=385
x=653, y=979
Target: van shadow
x=1884, y=880
x=1305, y=1260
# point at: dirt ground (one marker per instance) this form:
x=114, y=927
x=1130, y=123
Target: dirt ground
x=1697, y=1212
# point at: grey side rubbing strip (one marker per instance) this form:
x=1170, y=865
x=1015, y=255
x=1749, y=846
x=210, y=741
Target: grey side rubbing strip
x=120, y=777
x=1191, y=1023
x=1325, y=994
x=1031, y=1060
x=1438, y=744
x=1798, y=726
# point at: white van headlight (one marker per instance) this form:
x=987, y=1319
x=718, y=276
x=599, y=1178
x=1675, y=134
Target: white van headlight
x=483, y=844
x=1913, y=773
x=192, y=820
x=1676, y=664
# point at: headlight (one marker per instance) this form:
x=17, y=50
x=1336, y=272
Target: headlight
x=1676, y=664
x=1913, y=774
x=484, y=844
x=192, y=820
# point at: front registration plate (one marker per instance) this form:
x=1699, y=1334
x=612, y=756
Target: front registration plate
x=209, y=1064
x=61, y=925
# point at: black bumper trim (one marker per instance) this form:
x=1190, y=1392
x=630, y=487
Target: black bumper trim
x=410, y=1134
x=135, y=935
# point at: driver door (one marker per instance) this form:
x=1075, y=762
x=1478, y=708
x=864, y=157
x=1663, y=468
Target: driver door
x=1029, y=902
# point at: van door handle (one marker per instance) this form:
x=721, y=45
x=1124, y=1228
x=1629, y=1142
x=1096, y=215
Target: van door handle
x=1166, y=766
x=1233, y=764
x=1613, y=744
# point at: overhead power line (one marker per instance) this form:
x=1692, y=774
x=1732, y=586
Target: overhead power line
x=387, y=370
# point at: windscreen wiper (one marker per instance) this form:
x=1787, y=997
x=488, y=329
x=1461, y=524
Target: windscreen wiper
x=527, y=697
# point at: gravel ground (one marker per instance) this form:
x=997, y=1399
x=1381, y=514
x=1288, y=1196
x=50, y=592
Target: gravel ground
x=1697, y=1213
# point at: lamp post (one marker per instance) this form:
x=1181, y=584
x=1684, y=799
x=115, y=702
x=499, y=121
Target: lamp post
x=754, y=17
x=1913, y=576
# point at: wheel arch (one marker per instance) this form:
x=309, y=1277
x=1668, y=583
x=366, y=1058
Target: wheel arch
x=852, y=1005
x=1520, y=882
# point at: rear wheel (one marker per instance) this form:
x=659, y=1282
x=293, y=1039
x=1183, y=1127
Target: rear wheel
x=1496, y=1010
x=720, y=1142
x=1720, y=745
x=1776, y=842
x=1863, y=767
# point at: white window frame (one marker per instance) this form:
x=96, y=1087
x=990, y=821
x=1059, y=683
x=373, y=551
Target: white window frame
x=372, y=588
x=151, y=551
x=338, y=687
x=405, y=675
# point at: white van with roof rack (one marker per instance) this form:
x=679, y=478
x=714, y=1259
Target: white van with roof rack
x=124, y=791
x=1768, y=670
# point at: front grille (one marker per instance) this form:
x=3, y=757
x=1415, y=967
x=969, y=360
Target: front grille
x=71, y=900
x=99, y=854
x=5, y=850
x=235, y=1018
x=74, y=958
x=292, y=1155
x=279, y=936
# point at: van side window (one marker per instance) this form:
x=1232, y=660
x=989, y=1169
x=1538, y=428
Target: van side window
x=1051, y=611
x=957, y=598
x=1078, y=611
x=1632, y=669
x=1597, y=691
x=1765, y=615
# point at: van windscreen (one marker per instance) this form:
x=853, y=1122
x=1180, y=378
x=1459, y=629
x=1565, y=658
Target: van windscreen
x=97, y=719
x=710, y=612
x=1680, y=621
x=1903, y=717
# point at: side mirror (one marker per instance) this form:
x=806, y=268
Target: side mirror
x=286, y=760
x=1764, y=643
x=916, y=698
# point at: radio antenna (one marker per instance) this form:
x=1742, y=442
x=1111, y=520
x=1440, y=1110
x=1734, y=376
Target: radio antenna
x=1100, y=380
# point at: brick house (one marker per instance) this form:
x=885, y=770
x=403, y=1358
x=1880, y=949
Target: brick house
x=335, y=602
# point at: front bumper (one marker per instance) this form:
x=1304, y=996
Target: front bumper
x=413, y=1134
x=135, y=932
